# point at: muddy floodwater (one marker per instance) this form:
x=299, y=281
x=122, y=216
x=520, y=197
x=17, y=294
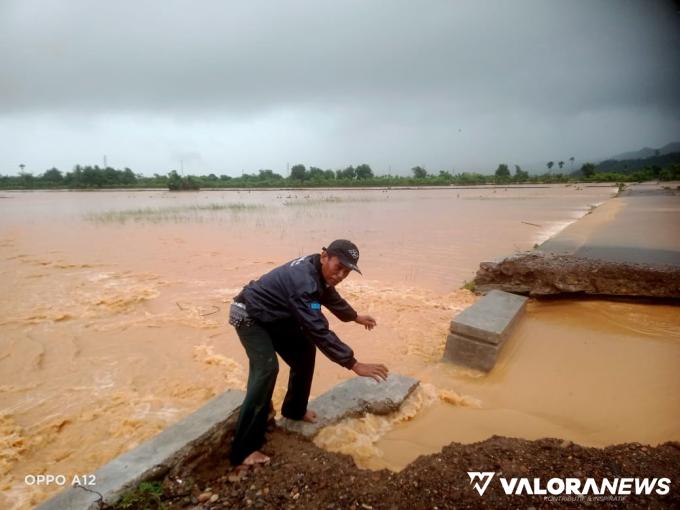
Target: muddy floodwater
x=113, y=322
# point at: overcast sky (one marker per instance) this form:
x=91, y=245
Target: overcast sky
x=229, y=86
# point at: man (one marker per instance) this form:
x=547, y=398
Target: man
x=281, y=313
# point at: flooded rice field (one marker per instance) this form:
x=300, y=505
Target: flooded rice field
x=113, y=322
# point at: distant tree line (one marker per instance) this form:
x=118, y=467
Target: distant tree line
x=177, y=182
x=560, y=164
x=95, y=177
x=79, y=177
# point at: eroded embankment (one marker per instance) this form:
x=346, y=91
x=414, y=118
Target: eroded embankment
x=539, y=274
x=302, y=475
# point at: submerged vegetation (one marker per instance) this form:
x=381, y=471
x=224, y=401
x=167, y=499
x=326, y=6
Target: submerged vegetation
x=94, y=177
x=332, y=199
x=469, y=285
x=164, y=214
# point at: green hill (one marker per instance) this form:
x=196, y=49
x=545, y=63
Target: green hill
x=632, y=165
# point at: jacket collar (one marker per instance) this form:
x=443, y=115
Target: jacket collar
x=316, y=261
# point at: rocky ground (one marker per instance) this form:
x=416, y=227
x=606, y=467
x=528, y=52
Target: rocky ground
x=306, y=477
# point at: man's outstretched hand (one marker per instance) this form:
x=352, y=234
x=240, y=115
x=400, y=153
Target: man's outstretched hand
x=366, y=321
x=377, y=371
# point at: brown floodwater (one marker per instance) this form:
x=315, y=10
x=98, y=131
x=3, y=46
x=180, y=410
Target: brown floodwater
x=113, y=321
x=593, y=372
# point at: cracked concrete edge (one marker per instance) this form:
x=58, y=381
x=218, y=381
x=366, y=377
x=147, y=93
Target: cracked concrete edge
x=541, y=273
x=354, y=398
x=154, y=458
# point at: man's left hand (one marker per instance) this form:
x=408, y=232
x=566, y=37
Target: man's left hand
x=366, y=321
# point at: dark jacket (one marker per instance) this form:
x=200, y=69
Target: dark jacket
x=296, y=290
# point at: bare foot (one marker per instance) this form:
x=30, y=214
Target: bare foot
x=256, y=457
x=310, y=416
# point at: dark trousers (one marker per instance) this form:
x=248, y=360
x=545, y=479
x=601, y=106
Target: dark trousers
x=262, y=342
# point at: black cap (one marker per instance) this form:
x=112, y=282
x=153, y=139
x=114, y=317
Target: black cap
x=346, y=251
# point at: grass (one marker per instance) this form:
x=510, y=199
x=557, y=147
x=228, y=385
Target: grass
x=162, y=214
x=146, y=496
x=469, y=285
x=326, y=200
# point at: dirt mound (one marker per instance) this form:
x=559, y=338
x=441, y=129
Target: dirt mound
x=302, y=475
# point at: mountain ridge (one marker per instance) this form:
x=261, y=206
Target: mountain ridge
x=648, y=152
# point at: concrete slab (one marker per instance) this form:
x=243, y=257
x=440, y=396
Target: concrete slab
x=470, y=352
x=353, y=398
x=491, y=318
x=152, y=459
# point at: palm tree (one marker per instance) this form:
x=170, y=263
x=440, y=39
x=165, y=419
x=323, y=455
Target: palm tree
x=571, y=159
x=560, y=164
x=549, y=164
x=22, y=166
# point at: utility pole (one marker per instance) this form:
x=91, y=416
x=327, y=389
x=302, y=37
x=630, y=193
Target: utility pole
x=181, y=167
x=105, y=166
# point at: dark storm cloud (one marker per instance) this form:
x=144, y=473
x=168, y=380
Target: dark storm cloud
x=422, y=69
x=168, y=56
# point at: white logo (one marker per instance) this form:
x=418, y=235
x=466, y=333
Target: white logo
x=353, y=253
x=590, y=487
x=298, y=260
x=484, y=477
